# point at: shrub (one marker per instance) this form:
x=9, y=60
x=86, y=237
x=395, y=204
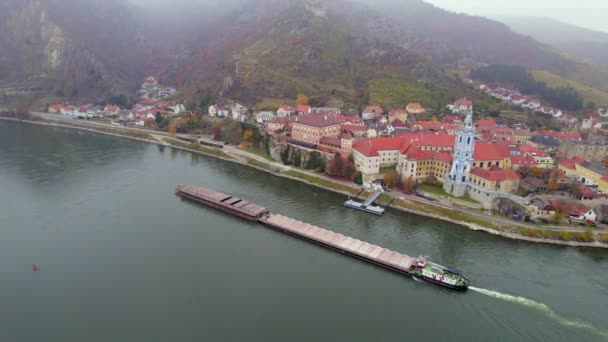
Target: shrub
x=544, y=234
x=195, y=145
x=358, y=179
x=587, y=236
x=564, y=236
x=604, y=237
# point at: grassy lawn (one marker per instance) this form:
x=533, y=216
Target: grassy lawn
x=259, y=164
x=321, y=181
x=214, y=151
x=440, y=192
x=257, y=152
x=388, y=169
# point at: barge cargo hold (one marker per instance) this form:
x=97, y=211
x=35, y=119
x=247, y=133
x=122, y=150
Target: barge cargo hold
x=418, y=267
x=218, y=200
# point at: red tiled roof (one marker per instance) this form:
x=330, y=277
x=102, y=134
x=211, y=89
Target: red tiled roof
x=495, y=174
x=429, y=139
x=373, y=109
x=330, y=141
x=485, y=122
x=303, y=108
x=451, y=119
x=464, y=102
x=578, y=160
x=560, y=136
x=519, y=160
x=370, y=147
x=394, y=112
x=487, y=151
x=288, y=108
x=567, y=163
x=398, y=123
x=318, y=120
x=353, y=128
x=527, y=149
x=414, y=105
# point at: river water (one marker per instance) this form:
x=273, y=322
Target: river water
x=123, y=259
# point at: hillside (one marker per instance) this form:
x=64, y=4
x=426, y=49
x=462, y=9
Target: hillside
x=69, y=48
x=585, y=44
x=589, y=94
x=313, y=48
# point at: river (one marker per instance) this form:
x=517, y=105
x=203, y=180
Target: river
x=123, y=259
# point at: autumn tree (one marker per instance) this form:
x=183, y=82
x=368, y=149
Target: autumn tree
x=336, y=166
x=391, y=178
x=248, y=135
x=302, y=99
x=349, y=171
x=537, y=172
x=217, y=132
x=172, y=128
x=409, y=185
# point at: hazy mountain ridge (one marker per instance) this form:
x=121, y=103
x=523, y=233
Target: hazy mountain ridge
x=585, y=44
x=381, y=50
x=70, y=48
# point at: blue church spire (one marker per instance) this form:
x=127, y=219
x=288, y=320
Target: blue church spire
x=458, y=177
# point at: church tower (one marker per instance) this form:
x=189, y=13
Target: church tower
x=456, y=180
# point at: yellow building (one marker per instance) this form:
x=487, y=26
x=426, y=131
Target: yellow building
x=414, y=108
x=495, y=179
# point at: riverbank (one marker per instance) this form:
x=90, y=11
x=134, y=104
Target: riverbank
x=403, y=203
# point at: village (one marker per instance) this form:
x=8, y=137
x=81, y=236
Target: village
x=457, y=157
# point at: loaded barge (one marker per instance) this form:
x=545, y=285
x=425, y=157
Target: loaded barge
x=418, y=267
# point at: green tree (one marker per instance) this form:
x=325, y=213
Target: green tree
x=297, y=159
x=285, y=155
x=358, y=179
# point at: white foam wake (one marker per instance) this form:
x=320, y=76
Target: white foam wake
x=542, y=308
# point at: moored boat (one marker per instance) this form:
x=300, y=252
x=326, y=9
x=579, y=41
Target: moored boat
x=440, y=275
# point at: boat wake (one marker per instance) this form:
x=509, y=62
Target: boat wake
x=543, y=308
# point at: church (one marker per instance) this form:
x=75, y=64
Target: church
x=480, y=170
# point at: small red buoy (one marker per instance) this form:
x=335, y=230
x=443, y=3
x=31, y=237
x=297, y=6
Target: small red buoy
x=34, y=267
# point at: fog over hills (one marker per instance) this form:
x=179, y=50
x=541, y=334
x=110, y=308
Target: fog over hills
x=246, y=48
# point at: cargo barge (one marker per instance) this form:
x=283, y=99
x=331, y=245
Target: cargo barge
x=419, y=267
x=218, y=200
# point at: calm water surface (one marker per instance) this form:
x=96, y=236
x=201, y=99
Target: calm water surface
x=123, y=259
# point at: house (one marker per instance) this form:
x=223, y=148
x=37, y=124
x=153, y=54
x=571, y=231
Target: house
x=219, y=111
x=495, y=179
x=303, y=109
x=111, y=109
x=239, y=112
x=372, y=112
x=56, y=108
x=285, y=110
x=397, y=114
x=325, y=110
x=414, y=108
x=532, y=185
x=309, y=129
x=180, y=108
x=544, y=142
x=541, y=207
x=463, y=106
x=264, y=117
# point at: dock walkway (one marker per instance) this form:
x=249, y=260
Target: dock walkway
x=376, y=254
x=372, y=198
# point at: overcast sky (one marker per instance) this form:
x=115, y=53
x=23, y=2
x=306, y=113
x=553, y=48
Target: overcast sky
x=591, y=14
